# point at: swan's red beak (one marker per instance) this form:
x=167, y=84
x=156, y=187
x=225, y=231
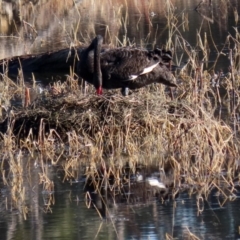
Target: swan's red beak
x=99, y=91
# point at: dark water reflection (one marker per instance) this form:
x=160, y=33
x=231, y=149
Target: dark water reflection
x=70, y=219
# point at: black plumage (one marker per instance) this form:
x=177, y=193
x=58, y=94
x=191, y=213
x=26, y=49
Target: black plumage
x=124, y=67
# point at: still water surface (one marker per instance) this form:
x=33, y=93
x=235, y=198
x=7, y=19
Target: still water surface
x=50, y=26
x=145, y=25
x=70, y=219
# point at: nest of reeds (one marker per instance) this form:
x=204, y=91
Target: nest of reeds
x=181, y=136
x=111, y=114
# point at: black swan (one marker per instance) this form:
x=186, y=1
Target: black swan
x=124, y=67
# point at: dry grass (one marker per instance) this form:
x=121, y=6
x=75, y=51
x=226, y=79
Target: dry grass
x=182, y=135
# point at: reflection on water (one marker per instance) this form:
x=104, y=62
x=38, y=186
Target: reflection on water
x=70, y=219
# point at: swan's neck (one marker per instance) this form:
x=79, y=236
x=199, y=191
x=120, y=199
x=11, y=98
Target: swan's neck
x=97, y=65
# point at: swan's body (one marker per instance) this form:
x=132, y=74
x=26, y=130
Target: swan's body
x=123, y=67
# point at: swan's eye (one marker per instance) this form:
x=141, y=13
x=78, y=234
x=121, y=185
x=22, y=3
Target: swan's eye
x=155, y=58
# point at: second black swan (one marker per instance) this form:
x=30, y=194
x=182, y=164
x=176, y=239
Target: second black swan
x=124, y=67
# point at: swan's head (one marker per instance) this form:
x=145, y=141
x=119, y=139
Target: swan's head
x=166, y=77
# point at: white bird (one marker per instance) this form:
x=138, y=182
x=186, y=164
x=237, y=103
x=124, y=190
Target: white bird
x=155, y=183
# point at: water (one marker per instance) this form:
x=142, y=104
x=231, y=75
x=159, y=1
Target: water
x=139, y=22
x=144, y=24
x=70, y=219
